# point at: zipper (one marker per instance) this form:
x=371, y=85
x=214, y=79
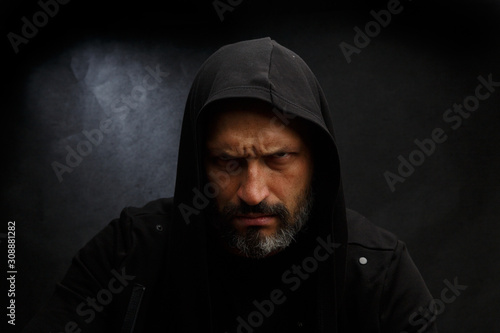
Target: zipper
x=133, y=309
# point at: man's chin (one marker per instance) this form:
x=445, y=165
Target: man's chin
x=256, y=242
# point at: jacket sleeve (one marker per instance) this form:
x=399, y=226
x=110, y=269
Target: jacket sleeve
x=82, y=300
x=406, y=303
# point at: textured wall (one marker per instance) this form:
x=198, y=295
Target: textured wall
x=121, y=75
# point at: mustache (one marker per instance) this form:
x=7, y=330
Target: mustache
x=232, y=210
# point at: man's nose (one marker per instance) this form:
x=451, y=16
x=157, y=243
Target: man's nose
x=253, y=188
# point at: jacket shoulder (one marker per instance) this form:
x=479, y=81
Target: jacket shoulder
x=384, y=289
x=137, y=227
x=364, y=233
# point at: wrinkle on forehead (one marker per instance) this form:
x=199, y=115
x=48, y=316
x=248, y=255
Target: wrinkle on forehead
x=249, y=136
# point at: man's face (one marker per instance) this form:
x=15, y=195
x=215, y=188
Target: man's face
x=267, y=167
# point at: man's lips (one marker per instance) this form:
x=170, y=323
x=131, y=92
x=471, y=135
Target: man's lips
x=254, y=220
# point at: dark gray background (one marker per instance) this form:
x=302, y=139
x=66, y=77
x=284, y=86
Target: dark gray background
x=395, y=91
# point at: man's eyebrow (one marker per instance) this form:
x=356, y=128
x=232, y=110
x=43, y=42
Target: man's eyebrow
x=212, y=151
x=222, y=153
x=218, y=150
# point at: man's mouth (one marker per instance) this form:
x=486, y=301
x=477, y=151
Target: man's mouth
x=248, y=220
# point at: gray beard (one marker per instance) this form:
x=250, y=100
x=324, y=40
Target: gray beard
x=253, y=244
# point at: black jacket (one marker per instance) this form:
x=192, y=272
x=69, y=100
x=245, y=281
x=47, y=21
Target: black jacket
x=151, y=270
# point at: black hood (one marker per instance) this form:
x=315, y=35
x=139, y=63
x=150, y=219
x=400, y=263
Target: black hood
x=264, y=70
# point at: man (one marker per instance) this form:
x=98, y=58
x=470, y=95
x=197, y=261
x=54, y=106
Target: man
x=257, y=237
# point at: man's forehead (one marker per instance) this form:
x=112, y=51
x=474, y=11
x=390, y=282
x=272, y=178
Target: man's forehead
x=246, y=122
x=231, y=133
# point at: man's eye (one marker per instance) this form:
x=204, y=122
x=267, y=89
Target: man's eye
x=281, y=154
x=223, y=159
